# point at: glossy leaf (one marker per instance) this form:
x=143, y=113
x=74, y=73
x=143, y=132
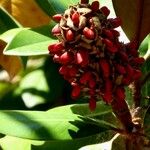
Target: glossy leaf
x=30, y=42
x=144, y=50
x=52, y=7
x=135, y=17
x=68, y=144
x=46, y=86
x=14, y=143
x=147, y=123
x=6, y=21
x=56, y=124
x=116, y=143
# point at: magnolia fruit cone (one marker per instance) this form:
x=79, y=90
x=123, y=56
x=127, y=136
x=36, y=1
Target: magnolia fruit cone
x=26, y=12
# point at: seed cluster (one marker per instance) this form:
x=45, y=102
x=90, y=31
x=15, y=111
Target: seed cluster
x=93, y=60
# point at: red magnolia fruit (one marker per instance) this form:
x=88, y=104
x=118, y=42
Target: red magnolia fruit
x=95, y=6
x=88, y=33
x=76, y=91
x=66, y=57
x=57, y=17
x=69, y=36
x=116, y=22
x=75, y=18
x=105, y=68
x=55, y=48
x=92, y=104
x=93, y=59
x=105, y=11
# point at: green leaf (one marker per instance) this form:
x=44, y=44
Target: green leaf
x=56, y=124
x=52, y=7
x=14, y=143
x=30, y=42
x=68, y=144
x=144, y=48
x=6, y=21
x=116, y=143
x=137, y=24
x=46, y=86
x=147, y=122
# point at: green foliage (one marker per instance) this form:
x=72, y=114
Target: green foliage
x=144, y=50
x=56, y=124
x=29, y=42
x=146, y=122
x=7, y=21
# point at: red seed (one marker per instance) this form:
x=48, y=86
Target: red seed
x=76, y=91
x=107, y=97
x=129, y=71
x=63, y=70
x=73, y=71
x=105, y=68
x=105, y=11
x=115, y=33
x=132, y=45
x=85, y=77
x=56, y=30
x=57, y=17
x=137, y=74
x=69, y=36
x=108, y=86
x=123, y=56
x=92, y=83
x=84, y=1
x=108, y=33
x=66, y=57
x=133, y=52
x=126, y=80
x=120, y=69
x=56, y=48
x=113, y=49
x=92, y=104
x=138, y=60
x=88, y=33
x=107, y=42
x=82, y=58
x=56, y=58
x=95, y=6
x=120, y=93
x=75, y=18
x=116, y=22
